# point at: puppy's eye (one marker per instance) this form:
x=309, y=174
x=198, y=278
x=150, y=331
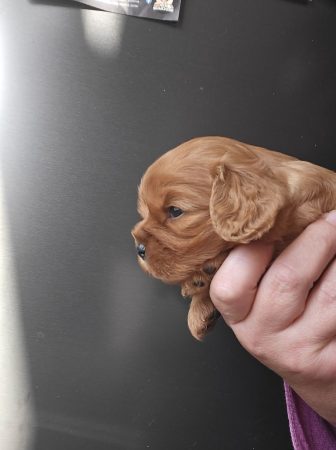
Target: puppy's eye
x=174, y=212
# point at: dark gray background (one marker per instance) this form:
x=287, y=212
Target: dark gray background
x=111, y=362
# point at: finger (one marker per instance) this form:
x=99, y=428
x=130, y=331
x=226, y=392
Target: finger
x=284, y=289
x=234, y=286
x=320, y=313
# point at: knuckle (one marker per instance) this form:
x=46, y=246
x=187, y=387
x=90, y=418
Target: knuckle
x=222, y=293
x=284, y=278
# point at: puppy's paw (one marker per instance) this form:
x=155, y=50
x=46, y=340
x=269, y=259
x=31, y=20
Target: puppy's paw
x=211, y=266
x=202, y=316
x=198, y=284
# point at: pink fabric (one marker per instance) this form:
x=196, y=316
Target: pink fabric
x=308, y=430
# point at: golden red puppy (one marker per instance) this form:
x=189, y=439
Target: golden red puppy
x=210, y=194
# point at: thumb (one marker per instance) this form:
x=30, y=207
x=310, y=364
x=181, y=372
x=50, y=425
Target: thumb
x=234, y=286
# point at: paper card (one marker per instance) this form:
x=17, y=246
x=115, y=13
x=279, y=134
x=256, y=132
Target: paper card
x=168, y=10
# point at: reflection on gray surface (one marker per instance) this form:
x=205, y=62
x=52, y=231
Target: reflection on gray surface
x=87, y=102
x=102, y=31
x=17, y=417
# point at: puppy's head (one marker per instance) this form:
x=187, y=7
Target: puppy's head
x=175, y=235
x=199, y=200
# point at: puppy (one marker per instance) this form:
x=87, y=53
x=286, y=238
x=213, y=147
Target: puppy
x=210, y=194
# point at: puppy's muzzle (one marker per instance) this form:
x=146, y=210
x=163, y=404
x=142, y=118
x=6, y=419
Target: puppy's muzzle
x=141, y=251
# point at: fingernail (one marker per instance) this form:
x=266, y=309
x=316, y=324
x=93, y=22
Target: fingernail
x=330, y=217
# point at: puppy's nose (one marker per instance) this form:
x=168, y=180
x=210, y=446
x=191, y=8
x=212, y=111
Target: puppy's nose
x=141, y=250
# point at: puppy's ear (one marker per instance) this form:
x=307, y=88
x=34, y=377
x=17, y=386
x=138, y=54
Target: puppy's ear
x=246, y=196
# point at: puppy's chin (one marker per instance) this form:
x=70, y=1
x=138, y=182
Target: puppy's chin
x=163, y=272
x=149, y=270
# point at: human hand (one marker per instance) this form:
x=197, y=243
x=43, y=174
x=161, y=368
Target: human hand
x=285, y=315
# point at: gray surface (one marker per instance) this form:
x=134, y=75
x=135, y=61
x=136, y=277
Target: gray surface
x=87, y=101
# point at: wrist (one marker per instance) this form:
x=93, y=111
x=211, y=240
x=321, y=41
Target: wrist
x=321, y=397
